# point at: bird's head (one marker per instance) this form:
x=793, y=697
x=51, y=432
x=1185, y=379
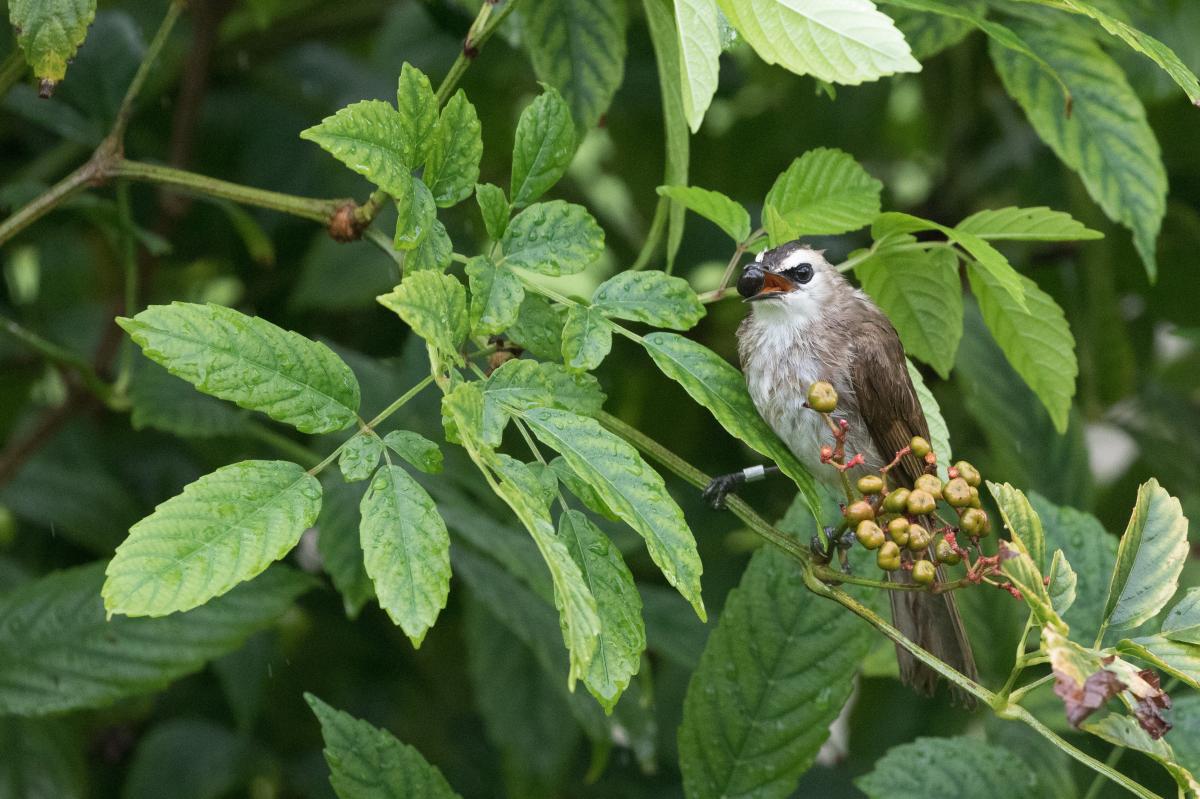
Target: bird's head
x=791, y=283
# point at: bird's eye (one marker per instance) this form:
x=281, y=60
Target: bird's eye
x=800, y=273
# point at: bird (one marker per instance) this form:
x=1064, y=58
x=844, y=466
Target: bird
x=808, y=323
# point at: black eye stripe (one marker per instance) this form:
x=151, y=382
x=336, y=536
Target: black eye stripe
x=800, y=273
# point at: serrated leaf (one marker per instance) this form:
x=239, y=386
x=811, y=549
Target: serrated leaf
x=370, y=138
x=714, y=206
x=418, y=112
x=494, y=208
x=699, y=54
x=573, y=391
x=578, y=46
x=59, y=653
x=406, y=550
x=515, y=384
x=163, y=402
x=1183, y=622
x=628, y=485
x=223, y=529
x=769, y=684
x=1149, y=559
x=1177, y=658
x=251, y=362
x=435, y=307
x=542, y=149
x=1023, y=573
x=1106, y=138
x=415, y=215
x=721, y=388
x=929, y=33
x=553, y=238
x=415, y=448
x=586, y=338
x=1092, y=553
x=846, y=42
x=49, y=32
x=433, y=253
x=1022, y=522
x=496, y=296
x=366, y=762
x=538, y=328
x=43, y=759
x=1037, y=342
x=581, y=490
x=824, y=191
x=649, y=296
x=337, y=541
x=1062, y=583
x=1027, y=224
x=964, y=766
x=359, y=457
x=1124, y=731
x=921, y=294
x=622, y=634
x=453, y=165
x=939, y=433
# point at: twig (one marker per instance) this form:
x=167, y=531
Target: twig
x=64, y=357
x=125, y=112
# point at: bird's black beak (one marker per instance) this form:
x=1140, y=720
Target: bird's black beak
x=758, y=284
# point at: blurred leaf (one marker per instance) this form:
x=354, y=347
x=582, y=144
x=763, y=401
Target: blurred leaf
x=359, y=456
x=964, y=766
x=1036, y=341
x=1050, y=766
x=939, y=433
x=1149, y=559
x=848, y=43
x=1026, y=224
x=41, y=760
x=370, y=138
x=542, y=151
x=337, y=276
x=699, y=53
x=416, y=449
x=661, y=22
x=338, y=543
x=366, y=762
x=453, y=165
x=553, y=238
x=163, y=402
x=578, y=47
x=824, y=191
x=586, y=338
x=224, y=529
x=649, y=296
x=538, y=328
x=714, y=206
x=929, y=32
x=769, y=684
x=496, y=296
x=435, y=307
x=50, y=31
x=1185, y=737
x=1092, y=553
x=406, y=550
x=59, y=653
x=1106, y=138
x=1124, y=731
x=197, y=758
x=251, y=362
x=494, y=208
x=921, y=294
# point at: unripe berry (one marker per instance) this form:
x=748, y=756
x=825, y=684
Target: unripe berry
x=924, y=572
x=898, y=530
x=920, y=503
x=946, y=554
x=974, y=522
x=869, y=534
x=859, y=511
x=896, y=501
x=888, y=557
x=870, y=484
x=930, y=484
x=822, y=397
x=968, y=472
x=957, y=492
x=918, y=538
x=975, y=501
x=919, y=446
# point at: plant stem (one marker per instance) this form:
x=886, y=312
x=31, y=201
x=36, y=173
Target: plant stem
x=46, y=201
x=399, y=403
x=1018, y=659
x=128, y=247
x=139, y=78
x=1111, y=761
x=658, y=226
x=65, y=358
x=1019, y=694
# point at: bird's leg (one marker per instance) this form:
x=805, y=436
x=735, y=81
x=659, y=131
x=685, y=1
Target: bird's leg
x=726, y=484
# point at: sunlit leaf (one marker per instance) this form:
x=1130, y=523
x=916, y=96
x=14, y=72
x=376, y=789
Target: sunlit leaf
x=649, y=296
x=493, y=207
x=369, y=137
x=553, y=238
x=714, y=206
x=49, y=32
x=824, y=191
x=586, y=338
x=542, y=149
x=699, y=51
x=1027, y=224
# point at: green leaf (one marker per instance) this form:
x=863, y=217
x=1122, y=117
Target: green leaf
x=406, y=551
x=538, y=327
x=1183, y=622
x=1022, y=522
x=1037, y=341
x=1020, y=569
x=225, y=528
x=370, y=138
x=1106, y=137
x=251, y=362
x=415, y=215
x=453, y=165
x=586, y=338
x=721, y=388
x=628, y=485
x=49, y=32
x=699, y=54
x=824, y=191
x=1185, y=737
x=418, y=109
x=928, y=32
x=961, y=766
x=847, y=43
x=1062, y=583
x=1149, y=559
x=163, y=402
x=573, y=391
x=649, y=296
x=1026, y=224
x=1177, y=658
x=337, y=541
x=580, y=489
x=578, y=46
x=1092, y=552
x=921, y=294
x=416, y=449
x=553, y=238
x=493, y=207
x=58, y=652
x=359, y=457
x=542, y=149
x=435, y=307
x=516, y=384
x=939, y=433
x=714, y=206
x=496, y=296
x=769, y=684
x=43, y=759
x=660, y=21
x=1124, y=731
x=622, y=634
x=432, y=253
x=366, y=762
x=198, y=759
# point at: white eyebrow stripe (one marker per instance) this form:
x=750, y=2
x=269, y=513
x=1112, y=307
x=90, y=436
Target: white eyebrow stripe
x=758, y=258
x=798, y=257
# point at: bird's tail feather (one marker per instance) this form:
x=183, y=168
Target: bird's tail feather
x=933, y=623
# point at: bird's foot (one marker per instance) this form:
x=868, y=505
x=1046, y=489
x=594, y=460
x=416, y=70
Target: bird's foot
x=720, y=488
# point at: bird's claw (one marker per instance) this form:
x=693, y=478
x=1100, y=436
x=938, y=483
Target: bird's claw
x=720, y=488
